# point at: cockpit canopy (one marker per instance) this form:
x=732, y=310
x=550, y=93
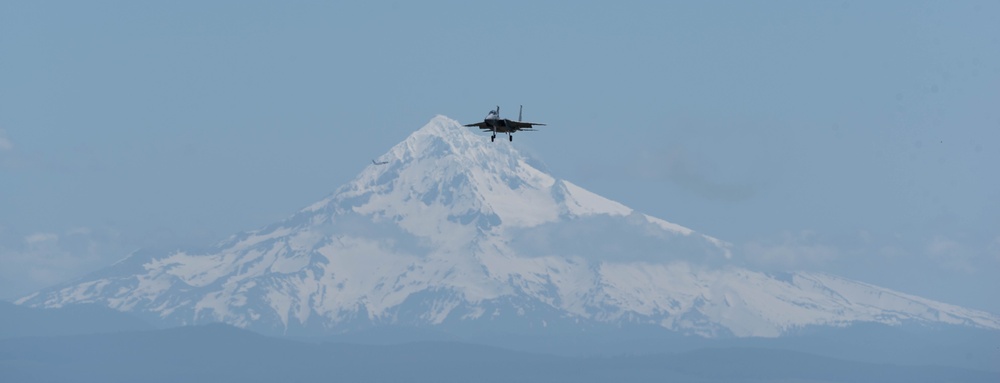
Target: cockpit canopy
x=492, y=115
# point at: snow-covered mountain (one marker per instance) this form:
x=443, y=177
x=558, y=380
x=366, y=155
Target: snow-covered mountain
x=457, y=231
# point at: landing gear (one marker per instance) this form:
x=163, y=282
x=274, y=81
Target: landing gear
x=493, y=138
x=511, y=137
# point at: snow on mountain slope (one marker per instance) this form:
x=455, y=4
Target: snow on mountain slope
x=457, y=231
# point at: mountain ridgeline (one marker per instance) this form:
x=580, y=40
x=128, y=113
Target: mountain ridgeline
x=457, y=234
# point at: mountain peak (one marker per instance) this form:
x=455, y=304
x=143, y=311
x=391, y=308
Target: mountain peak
x=445, y=170
x=443, y=137
x=445, y=128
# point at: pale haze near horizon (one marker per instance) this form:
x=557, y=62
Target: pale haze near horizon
x=852, y=138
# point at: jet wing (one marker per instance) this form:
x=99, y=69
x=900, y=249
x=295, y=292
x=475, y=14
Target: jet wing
x=522, y=125
x=480, y=125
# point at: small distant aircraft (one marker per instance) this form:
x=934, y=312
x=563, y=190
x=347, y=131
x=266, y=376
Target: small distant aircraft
x=495, y=124
x=379, y=162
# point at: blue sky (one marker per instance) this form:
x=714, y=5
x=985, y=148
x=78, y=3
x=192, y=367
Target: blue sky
x=851, y=137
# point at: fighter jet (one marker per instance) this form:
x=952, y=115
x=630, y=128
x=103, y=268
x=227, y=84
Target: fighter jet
x=495, y=124
x=379, y=162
